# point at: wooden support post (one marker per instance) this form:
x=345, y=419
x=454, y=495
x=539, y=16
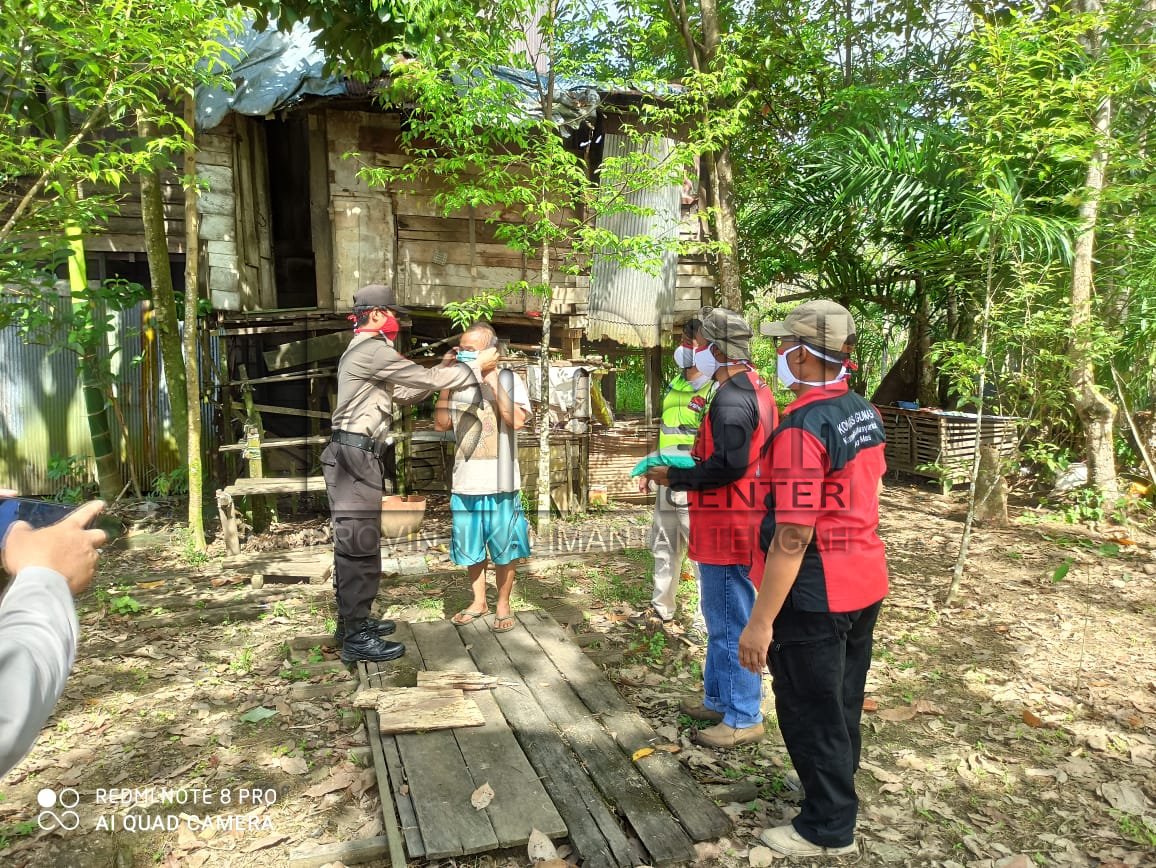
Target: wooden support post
x=266, y=282
x=572, y=344
x=254, y=434
x=249, y=257
x=609, y=386
x=228, y=514
x=226, y=466
x=319, y=223
x=652, y=364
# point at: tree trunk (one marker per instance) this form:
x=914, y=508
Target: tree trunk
x=990, y=489
x=927, y=384
x=1096, y=413
x=163, y=298
x=728, y=273
x=717, y=166
x=955, y=588
x=543, y=505
x=192, y=369
x=543, y=496
x=94, y=376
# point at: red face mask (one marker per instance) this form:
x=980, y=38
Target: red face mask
x=391, y=328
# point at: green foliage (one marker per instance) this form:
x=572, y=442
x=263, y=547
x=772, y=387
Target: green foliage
x=482, y=306
x=13, y=831
x=242, y=662
x=72, y=478
x=124, y=605
x=171, y=483
x=1086, y=505
x=614, y=587
x=73, y=79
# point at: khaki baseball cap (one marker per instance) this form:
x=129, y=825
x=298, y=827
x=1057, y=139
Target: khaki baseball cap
x=825, y=324
x=728, y=331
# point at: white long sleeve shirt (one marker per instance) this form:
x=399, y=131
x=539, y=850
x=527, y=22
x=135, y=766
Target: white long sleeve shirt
x=38, y=635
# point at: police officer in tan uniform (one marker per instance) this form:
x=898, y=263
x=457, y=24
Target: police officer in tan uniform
x=358, y=463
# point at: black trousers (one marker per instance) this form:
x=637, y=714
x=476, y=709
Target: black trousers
x=819, y=662
x=355, y=481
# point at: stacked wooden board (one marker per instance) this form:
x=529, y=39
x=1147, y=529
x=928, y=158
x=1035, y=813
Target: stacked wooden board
x=941, y=445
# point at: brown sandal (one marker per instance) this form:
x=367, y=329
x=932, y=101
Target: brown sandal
x=465, y=616
x=503, y=623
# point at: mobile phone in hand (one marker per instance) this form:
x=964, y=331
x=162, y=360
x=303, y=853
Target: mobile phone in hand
x=42, y=513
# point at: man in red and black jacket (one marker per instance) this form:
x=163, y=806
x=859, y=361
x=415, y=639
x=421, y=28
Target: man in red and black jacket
x=727, y=486
x=824, y=576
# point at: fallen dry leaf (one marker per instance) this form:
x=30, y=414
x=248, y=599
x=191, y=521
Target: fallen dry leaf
x=924, y=706
x=293, y=765
x=265, y=843
x=668, y=748
x=1032, y=720
x=870, y=705
x=539, y=848
x=706, y=851
x=897, y=715
x=1125, y=797
x=482, y=796
x=332, y=784
x=640, y=753
x=761, y=857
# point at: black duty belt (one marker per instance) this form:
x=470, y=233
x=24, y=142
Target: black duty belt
x=359, y=441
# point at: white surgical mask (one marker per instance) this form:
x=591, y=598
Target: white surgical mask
x=788, y=379
x=699, y=381
x=684, y=356
x=705, y=361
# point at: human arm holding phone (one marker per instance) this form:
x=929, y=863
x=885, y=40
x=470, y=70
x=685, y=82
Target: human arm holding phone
x=38, y=626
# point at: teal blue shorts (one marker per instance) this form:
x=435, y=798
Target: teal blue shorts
x=489, y=526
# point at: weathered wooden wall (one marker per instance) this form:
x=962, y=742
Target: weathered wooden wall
x=217, y=205
x=363, y=235
x=125, y=232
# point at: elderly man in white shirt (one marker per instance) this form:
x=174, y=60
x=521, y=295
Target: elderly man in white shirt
x=38, y=626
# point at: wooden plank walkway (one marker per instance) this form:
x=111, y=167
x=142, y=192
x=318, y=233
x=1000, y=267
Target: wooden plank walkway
x=556, y=749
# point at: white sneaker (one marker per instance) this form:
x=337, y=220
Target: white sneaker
x=785, y=840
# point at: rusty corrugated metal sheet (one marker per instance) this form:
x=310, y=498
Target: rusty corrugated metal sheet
x=627, y=305
x=42, y=411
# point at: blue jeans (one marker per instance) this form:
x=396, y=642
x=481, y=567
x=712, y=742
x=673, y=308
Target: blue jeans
x=727, y=598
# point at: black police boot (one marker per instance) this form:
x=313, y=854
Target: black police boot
x=364, y=644
x=380, y=628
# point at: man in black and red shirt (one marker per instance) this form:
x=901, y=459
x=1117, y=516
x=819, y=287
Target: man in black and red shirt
x=824, y=576
x=727, y=485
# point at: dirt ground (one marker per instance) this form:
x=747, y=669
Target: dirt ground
x=1017, y=727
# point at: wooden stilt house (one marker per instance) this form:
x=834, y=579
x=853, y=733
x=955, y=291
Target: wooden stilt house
x=289, y=231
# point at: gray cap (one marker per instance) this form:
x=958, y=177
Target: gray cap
x=728, y=331
x=377, y=295
x=823, y=323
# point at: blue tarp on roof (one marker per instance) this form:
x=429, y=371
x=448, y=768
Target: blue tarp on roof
x=274, y=70
x=270, y=71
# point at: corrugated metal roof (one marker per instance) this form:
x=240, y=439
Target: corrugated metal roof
x=628, y=305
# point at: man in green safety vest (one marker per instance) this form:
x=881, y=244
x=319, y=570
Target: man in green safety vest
x=683, y=407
